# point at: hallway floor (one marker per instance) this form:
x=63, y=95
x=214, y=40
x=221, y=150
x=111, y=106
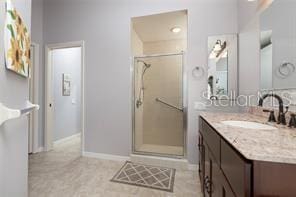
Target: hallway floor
x=63, y=172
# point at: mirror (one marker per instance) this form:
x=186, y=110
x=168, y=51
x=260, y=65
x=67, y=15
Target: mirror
x=278, y=46
x=222, y=67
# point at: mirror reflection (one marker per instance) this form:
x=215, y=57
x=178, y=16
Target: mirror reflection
x=278, y=46
x=222, y=66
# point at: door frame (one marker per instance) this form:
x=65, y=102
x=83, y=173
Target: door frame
x=48, y=137
x=184, y=106
x=34, y=94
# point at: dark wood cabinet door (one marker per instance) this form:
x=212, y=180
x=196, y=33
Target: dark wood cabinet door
x=226, y=189
x=212, y=139
x=236, y=169
x=274, y=179
x=201, y=165
x=208, y=173
x=216, y=185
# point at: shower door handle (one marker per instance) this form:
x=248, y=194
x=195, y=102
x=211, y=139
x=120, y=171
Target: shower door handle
x=169, y=105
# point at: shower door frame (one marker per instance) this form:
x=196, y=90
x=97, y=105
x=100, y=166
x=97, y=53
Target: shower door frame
x=184, y=107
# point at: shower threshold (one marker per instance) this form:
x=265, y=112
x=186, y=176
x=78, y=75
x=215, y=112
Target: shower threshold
x=161, y=149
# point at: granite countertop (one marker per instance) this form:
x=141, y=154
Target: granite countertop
x=260, y=145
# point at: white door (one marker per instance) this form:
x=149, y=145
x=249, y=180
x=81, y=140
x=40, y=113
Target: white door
x=33, y=97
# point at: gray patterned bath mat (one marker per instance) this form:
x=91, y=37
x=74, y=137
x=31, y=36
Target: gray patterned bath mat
x=146, y=176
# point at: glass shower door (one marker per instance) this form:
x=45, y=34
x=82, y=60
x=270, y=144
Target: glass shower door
x=158, y=105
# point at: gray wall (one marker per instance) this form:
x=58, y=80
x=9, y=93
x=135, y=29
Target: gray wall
x=282, y=24
x=105, y=27
x=37, y=37
x=14, y=133
x=249, y=48
x=67, y=110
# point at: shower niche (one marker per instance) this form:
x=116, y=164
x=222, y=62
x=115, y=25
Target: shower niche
x=159, y=99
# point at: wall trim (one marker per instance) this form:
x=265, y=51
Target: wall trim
x=39, y=149
x=66, y=139
x=105, y=156
x=192, y=167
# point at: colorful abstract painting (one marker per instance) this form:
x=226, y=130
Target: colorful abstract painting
x=16, y=42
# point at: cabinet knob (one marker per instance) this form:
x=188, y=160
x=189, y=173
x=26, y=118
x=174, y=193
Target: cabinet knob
x=207, y=184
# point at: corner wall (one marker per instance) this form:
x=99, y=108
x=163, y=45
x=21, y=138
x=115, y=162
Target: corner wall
x=14, y=133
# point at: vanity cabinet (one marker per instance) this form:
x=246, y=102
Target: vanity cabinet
x=213, y=181
x=224, y=172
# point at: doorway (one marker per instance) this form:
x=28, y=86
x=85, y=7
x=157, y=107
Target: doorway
x=64, y=116
x=159, y=91
x=159, y=105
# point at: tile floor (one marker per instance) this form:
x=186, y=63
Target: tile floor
x=63, y=172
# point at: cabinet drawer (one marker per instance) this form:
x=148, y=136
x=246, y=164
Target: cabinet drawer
x=236, y=170
x=212, y=139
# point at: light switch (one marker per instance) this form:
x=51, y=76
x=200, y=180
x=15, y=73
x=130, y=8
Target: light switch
x=73, y=101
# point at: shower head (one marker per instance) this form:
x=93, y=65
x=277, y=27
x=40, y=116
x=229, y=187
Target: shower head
x=145, y=64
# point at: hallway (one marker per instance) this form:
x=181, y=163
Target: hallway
x=62, y=172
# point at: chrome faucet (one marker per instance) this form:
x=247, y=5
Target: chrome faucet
x=282, y=114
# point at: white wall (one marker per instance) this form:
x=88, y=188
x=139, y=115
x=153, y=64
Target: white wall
x=266, y=68
x=67, y=109
x=105, y=27
x=249, y=48
x=282, y=24
x=14, y=133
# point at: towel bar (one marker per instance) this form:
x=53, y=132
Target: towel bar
x=7, y=113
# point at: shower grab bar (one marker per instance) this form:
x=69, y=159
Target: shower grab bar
x=167, y=104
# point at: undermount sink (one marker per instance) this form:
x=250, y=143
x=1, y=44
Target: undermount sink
x=248, y=125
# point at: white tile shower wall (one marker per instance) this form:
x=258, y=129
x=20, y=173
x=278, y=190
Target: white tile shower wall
x=163, y=125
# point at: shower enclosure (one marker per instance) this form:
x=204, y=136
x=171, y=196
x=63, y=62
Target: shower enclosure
x=159, y=114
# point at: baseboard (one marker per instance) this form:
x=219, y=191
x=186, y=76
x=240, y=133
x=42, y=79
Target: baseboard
x=66, y=139
x=178, y=164
x=105, y=156
x=39, y=150
x=192, y=167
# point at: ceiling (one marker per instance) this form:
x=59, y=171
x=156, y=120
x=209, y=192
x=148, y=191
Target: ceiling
x=158, y=27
